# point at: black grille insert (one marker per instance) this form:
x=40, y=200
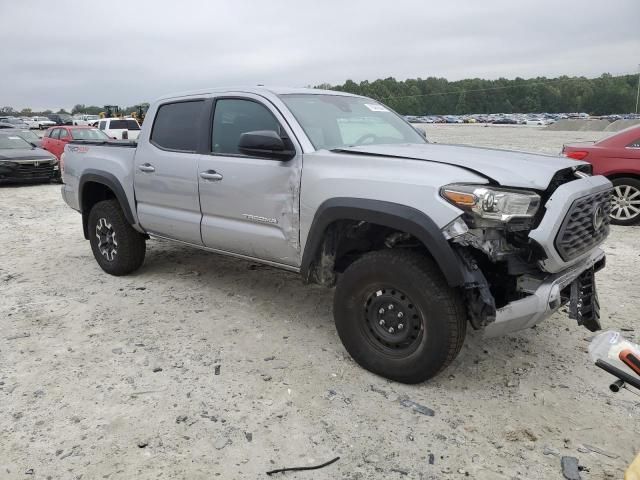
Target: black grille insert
x=30, y=170
x=585, y=226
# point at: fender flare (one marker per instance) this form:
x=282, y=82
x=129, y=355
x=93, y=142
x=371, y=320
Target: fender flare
x=109, y=180
x=388, y=214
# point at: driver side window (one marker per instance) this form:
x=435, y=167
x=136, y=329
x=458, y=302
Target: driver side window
x=233, y=117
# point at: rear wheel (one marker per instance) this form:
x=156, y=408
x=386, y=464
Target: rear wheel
x=397, y=317
x=625, y=204
x=116, y=246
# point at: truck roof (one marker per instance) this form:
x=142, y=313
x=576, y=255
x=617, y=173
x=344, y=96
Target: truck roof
x=258, y=90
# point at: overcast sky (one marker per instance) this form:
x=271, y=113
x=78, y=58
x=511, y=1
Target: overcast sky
x=57, y=54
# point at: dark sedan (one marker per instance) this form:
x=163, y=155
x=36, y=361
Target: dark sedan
x=20, y=161
x=61, y=118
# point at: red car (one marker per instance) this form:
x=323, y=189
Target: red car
x=55, y=138
x=618, y=158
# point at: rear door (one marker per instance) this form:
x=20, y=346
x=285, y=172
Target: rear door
x=166, y=171
x=249, y=204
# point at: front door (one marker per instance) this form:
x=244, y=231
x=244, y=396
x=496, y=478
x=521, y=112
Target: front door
x=166, y=172
x=250, y=205
x=65, y=137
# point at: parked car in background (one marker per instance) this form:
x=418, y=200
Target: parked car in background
x=56, y=138
x=20, y=161
x=16, y=122
x=61, y=118
x=86, y=120
x=39, y=123
x=618, y=158
x=535, y=121
x=120, y=128
x=505, y=121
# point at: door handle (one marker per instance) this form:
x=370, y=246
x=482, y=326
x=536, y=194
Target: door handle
x=146, y=167
x=211, y=175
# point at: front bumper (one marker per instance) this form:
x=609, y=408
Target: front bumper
x=28, y=171
x=544, y=301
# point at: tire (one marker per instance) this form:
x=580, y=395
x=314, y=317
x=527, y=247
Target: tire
x=433, y=313
x=625, y=206
x=116, y=246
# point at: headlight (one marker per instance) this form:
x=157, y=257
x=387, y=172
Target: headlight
x=492, y=203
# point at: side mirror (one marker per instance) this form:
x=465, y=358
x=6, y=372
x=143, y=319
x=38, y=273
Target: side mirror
x=267, y=144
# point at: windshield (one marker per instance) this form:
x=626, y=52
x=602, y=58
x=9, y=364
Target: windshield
x=29, y=136
x=13, y=142
x=88, y=134
x=336, y=121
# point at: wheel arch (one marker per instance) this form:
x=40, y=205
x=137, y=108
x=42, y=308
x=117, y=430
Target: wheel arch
x=397, y=217
x=615, y=176
x=98, y=185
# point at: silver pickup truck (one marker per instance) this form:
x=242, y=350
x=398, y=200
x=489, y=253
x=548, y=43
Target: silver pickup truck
x=419, y=239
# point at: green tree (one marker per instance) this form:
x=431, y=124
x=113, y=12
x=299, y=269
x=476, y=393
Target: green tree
x=461, y=105
x=603, y=95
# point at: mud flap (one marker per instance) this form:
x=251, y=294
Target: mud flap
x=584, y=306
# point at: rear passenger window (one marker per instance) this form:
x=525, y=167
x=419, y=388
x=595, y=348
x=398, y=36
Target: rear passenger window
x=233, y=117
x=63, y=133
x=176, y=126
x=55, y=133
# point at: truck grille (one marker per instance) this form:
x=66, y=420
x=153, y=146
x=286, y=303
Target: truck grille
x=29, y=170
x=585, y=226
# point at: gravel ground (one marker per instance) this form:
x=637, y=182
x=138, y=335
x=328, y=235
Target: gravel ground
x=200, y=366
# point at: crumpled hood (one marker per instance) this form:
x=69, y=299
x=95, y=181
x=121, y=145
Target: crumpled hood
x=507, y=168
x=25, y=154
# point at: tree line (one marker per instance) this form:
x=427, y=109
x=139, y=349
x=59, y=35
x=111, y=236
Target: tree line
x=603, y=95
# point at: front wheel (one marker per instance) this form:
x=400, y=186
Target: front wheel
x=625, y=203
x=116, y=246
x=397, y=317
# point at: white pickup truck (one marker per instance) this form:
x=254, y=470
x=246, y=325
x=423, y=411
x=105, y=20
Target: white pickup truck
x=85, y=120
x=419, y=239
x=119, y=128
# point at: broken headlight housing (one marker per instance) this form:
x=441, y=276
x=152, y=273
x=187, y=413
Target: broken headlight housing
x=491, y=203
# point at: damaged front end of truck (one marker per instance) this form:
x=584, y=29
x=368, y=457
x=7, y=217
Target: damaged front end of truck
x=526, y=253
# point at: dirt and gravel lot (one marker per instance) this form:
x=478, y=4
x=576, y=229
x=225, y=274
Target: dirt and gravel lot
x=200, y=366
